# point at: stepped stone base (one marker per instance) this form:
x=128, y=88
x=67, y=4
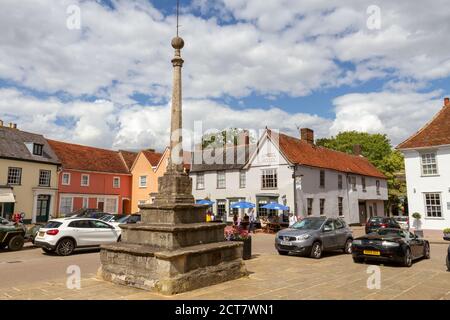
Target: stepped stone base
x=171, y=272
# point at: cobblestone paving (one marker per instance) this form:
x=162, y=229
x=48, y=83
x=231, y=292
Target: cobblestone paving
x=335, y=276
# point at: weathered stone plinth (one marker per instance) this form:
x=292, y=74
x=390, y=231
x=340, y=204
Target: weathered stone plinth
x=172, y=249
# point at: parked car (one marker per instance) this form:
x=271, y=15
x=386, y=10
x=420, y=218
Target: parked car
x=313, y=235
x=131, y=218
x=388, y=244
x=403, y=221
x=111, y=217
x=375, y=223
x=12, y=235
x=65, y=235
x=448, y=254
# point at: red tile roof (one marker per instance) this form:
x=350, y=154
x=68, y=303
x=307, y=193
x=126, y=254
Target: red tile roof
x=435, y=133
x=152, y=157
x=301, y=152
x=128, y=157
x=78, y=157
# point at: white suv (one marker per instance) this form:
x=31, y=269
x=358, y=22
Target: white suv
x=65, y=235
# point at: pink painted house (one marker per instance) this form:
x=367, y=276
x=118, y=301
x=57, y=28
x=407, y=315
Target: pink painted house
x=93, y=178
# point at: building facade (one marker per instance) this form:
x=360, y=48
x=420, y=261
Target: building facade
x=427, y=168
x=28, y=175
x=93, y=178
x=310, y=180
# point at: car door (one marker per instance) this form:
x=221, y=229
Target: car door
x=415, y=244
x=82, y=232
x=341, y=233
x=104, y=233
x=329, y=240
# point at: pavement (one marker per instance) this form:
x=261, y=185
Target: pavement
x=272, y=276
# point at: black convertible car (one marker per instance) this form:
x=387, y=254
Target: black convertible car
x=388, y=244
x=448, y=254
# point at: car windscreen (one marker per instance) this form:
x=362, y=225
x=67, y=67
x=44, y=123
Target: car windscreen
x=52, y=225
x=392, y=233
x=106, y=218
x=308, y=224
x=123, y=219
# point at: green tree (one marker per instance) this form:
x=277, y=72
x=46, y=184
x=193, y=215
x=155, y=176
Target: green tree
x=378, y=150
x=219, y=139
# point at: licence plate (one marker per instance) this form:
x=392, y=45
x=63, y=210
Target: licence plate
x=372, y=252
x=41, y=234
x=286, y=243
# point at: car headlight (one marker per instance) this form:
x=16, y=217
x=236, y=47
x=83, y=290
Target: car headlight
x=303, y=237
x=390, y=244
x=357, y=242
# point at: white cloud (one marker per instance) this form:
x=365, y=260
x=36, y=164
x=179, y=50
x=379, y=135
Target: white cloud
x=397, y=114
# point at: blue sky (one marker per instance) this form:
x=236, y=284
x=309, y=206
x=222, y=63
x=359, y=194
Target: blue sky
x=283, y=64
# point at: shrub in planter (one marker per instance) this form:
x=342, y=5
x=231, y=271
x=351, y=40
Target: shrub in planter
x=233, y=233
x=447, y=232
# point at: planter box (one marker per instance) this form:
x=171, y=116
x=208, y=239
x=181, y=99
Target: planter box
x=247, y=249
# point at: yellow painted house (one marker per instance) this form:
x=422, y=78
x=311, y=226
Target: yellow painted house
x=28, y=175
x=147, y=168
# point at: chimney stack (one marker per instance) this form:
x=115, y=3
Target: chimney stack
x=150, y=150
x=14, y=126
x=307, y=135
x=357, y=149
x=1, y=123
x=446, y=102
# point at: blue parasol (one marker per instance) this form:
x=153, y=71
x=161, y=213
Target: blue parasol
x=242, y=205
x=275, y=206
x=205, y=201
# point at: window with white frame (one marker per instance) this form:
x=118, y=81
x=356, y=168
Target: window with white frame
x=65, y=205
x=340, y=181
x=353, y=183
x=363, y=184
x=433, y=205
x=322, y=207
x=142, y=181
x=221, y=180
x=221, y=208
x=85, y=203
x=111, y=205
x=269, y=179
x=377, y=183
x=242, y=179
x=65, y=179
x=429, y=164
x=84, y=180
x=200, y=181
x=14, y=176
x=322, y=179
x=310, y=206
x=340, y=206
x=116, y=182
x=44, y=178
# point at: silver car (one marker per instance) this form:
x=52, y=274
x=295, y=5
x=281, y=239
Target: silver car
x=314, y=235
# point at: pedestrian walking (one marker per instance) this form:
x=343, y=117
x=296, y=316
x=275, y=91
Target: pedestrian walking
x=292, y=219
x=252, y=220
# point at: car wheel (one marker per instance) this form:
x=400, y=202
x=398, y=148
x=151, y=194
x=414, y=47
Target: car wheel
x=316, y=250
x=358, y=260
x=65, y=247
x=407, y=259
x=348, y=246
x=16, y=243
x=426, y=251
x=283, y=253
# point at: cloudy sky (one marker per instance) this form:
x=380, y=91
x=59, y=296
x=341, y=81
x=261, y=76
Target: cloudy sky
x=248, y=63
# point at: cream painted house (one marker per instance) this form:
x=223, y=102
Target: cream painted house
x=28, y=175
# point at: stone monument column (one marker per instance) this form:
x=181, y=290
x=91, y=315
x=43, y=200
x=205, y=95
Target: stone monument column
x=173, y=249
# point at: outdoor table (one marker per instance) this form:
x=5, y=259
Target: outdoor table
x=273, y=226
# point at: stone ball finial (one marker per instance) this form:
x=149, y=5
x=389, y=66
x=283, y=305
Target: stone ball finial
x=177, y=43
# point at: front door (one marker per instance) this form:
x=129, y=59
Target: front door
x=362, y=212
x=43, y=208
x=101, y=206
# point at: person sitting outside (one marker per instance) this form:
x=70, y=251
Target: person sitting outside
x=292, y=219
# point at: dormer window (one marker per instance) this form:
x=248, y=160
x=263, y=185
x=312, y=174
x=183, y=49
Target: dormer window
x=37, y=149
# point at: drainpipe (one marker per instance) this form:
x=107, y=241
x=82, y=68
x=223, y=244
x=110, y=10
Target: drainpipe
x=348, y=198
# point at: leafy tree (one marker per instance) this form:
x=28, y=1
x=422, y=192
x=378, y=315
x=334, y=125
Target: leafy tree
x=378, y=150
x=219, y=139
